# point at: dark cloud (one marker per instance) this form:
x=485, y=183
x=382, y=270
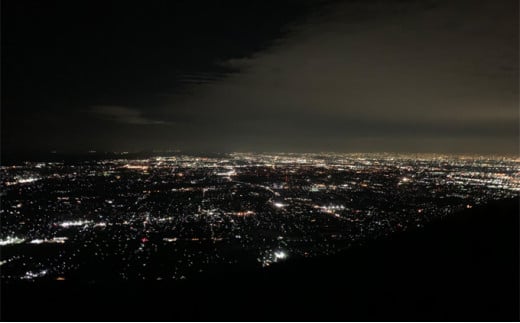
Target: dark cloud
x=436, y=72
x=122, y=114
x=437, y=76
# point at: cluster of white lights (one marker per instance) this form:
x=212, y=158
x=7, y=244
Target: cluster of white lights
x=27, y=180
x=53, y=240
x=279, y=255
x=279, y=205
x=32, y=274
x=22, y=181
x=11, y=240
x=227, y=174
x=336, y=207
x=273, y=257
x=78, y=223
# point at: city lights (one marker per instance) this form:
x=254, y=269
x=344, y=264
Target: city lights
x=179, y=215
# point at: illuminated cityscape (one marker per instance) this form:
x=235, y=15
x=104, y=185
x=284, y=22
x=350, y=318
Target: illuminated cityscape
x=173, y=217
x=290, y=160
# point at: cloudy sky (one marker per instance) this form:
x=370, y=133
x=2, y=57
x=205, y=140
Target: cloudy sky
x=403, y=76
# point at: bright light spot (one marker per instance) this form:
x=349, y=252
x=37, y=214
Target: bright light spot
x=22, y=181
x=244, y=213
x=136, y=167
x=32, y=274
x=58, y=240
x=404, y=180
x=53, y=240
x=27, y=180
x=227, y=174
x=11, y=240
x=279, y=205
x=279, y=255
x=78, y=223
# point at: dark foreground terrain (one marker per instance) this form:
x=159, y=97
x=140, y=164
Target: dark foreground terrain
x=462, y=268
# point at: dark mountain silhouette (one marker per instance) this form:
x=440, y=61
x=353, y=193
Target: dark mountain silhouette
x=465, y=267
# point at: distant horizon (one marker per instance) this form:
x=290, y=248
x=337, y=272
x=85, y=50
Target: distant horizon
x=19, y=156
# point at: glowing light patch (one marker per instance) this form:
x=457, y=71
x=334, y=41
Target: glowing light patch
x=280, y=255
x=32, y=274
x=27, y=180
x=404, y=180
x=78, y=223
x=53, y=240
x=11, y=240
x=22, y=181
x=58, y=240
x=136, y=167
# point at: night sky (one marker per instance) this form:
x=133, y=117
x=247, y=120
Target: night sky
x=349, y=76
